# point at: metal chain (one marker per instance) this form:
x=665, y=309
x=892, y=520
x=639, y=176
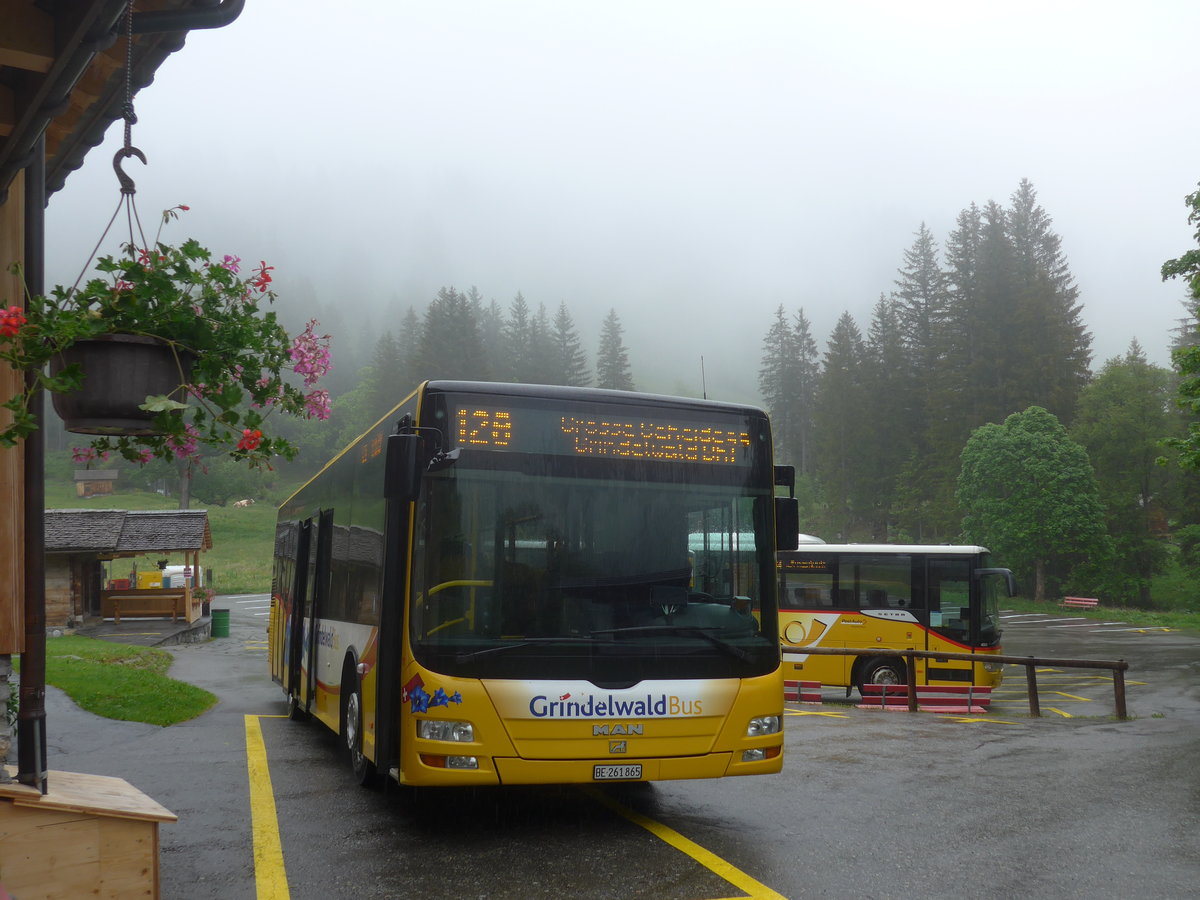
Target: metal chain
x=127, y=111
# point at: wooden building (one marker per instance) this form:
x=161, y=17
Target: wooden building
x=95, y=482
x=79, y=541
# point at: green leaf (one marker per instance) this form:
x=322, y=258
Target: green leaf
x=161, y=403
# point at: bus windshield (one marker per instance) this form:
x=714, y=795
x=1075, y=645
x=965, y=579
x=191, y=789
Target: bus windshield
x=529, y=570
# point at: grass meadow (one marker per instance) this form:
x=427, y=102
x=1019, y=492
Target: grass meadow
x=240, y=558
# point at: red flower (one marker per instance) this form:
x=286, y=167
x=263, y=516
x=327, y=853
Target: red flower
x=11, y=320
x=250, y=439
x=262, y=276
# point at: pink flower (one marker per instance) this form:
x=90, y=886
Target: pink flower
x=184, y=446
x=311, y=354
x=232, y=263
x=316, y=404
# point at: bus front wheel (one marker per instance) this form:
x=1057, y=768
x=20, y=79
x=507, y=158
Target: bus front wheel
x=881, y=671
x=296, y=710
x=352, y=728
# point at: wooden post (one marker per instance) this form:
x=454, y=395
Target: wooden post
x=1119, y=692
x=1035, y=706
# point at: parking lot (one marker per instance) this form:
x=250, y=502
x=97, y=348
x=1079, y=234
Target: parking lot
x=878, y=804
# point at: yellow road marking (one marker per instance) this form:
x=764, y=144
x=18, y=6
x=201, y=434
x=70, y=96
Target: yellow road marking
x=813, y=712
x=270, y=877
x=1071, y=696
x=967, y=720
x=719, y=867
x=129, y=634
x=1065, y=715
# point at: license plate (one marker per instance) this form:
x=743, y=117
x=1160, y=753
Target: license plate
x=610, y=773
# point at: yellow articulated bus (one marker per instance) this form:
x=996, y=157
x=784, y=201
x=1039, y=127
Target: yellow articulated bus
x=895, y=597
x=503, y=584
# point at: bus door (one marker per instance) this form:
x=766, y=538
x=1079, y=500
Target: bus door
x=320, y=544
x=949, y=599
x=876, y=592
x=295, y=623
x=809, y=615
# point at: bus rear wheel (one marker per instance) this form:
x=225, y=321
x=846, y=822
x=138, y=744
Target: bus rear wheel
x=881, y=671
x=352, y=729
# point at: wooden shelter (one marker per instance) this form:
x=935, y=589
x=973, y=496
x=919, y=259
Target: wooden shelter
x=78, y=541
x=91, y=482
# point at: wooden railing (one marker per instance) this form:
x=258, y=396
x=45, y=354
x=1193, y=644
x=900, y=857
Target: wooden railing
x=1030, y=663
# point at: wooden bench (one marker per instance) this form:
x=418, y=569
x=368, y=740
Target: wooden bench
x=1080, y=602
x=145, y=603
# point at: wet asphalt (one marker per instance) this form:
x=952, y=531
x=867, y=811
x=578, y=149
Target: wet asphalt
x=870, y=803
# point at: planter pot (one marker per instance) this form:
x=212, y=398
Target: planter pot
x=119, y=372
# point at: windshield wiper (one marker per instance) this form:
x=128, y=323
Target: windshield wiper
x=689, y=630
x=523, y=642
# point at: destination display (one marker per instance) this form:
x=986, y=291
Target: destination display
x=624, y=434
x=805, y=564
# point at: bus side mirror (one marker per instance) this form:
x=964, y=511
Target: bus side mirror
x=787, y=523
x=402, y=473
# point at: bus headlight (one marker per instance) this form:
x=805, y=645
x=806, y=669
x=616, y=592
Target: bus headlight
x=993, y=667
x=445, y=730
x=761, y=725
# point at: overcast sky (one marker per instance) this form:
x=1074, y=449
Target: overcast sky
x=692, y=165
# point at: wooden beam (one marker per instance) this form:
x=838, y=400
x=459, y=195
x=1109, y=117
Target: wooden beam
x=8, y=111
x=27, y=39
x=12, y=459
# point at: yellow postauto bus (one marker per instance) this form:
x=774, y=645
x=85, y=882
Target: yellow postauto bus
x=495, y=585
x=890, y=596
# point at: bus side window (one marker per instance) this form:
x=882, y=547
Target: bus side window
x=846, y=599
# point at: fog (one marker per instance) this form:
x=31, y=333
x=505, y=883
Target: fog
x=692, y=165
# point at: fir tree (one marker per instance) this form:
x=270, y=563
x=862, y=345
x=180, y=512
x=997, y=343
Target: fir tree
x=570, y=361
x=518, y=342
x=886, y=445
x=777, y=381
x=841, y=427
x=808, y=373
x=541, y=349
x=612, y=359
x=450, y=344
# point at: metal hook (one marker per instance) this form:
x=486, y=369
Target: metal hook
x=126, y=182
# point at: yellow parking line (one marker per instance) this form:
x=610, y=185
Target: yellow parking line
x=967, y=720
x=270, y=876
x=1065, y=715
x=1071, y=696
x=739, y=879
x=813, y=712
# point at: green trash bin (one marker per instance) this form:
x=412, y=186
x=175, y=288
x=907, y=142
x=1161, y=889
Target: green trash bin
x=220, y=623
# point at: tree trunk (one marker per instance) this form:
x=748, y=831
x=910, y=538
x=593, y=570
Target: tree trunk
x=185, y=486
x=1039, y=581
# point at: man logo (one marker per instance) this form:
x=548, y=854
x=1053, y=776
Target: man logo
x=617, y=747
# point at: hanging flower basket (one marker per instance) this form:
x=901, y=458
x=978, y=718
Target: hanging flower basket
x=224, y=361
x=120, y=371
